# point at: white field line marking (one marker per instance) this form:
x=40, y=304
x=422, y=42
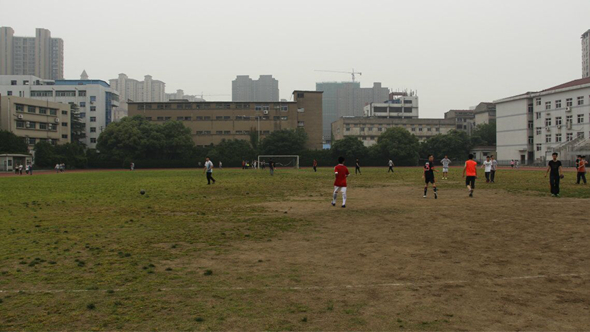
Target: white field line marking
x=401, y=284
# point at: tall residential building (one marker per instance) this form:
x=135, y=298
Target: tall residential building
x=265, y=88
x=179, y=94
x=211, y=122
x=533, y=125
x=347, y=99
x=586, y=54
x=40, y=56
x=132, y=90
x=95, y=98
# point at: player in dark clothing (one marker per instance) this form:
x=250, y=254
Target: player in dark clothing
x=271, y=166
x=428, y=176
x=357, y=167
x=556, y=174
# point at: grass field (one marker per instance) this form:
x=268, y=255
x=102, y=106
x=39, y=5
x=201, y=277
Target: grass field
x=86, y=251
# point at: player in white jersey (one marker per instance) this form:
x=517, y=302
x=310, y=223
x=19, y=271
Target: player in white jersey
x=494, y=168
x=445, y=163
x=488, y=168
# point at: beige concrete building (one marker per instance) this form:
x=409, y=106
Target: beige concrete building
x=369, y=129
x=35, y=120
x=485, y=113
x=41, y=56
x=211, y=122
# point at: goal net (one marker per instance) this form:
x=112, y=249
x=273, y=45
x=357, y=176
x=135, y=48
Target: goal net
x=285, y=161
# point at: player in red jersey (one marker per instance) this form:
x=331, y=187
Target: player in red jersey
x=340, y=173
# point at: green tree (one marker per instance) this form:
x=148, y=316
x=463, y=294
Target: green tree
x=232, y=152
x=137, y=138
x=350, y=148
x=10, y=143
x=397, y=144
x=254, y=138
x=456, y=144
x=484, y=134
x=45, y=155
x=285, y=142
x=77, y=127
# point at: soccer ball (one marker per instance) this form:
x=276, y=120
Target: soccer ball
x=142, y=192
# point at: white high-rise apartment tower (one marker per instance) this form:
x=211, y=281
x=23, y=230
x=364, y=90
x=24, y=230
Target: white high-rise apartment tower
x=586, y=54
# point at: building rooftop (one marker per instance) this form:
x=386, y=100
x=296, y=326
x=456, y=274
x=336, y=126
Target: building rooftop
x=570, y=84
x=531, y=94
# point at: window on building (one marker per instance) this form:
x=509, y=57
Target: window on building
x=92, y=108
x=64, y=136
x=31, y=125
x=188, y=106
x=160, y=118
x=65, y=93
x=413, y=129
x=92, y=99
x=160, y=106
x=530, y=140
x=52, y=111
x=226, y=132
x=580, y=134
x=581, y=100
x=538, y=147
x=530, y=108
x=548, y=138
x=83, y=104
x=42, y=93
x=31, y=109
x=538, y=115
x=568, y=119
x=42, y=110
x=64, y=124
x=580, y=118
x=538, y=101
x=92, y=129
x=530, y=124
x=92, y=119
x=557, y=138
x=558, y=104
x=569, y=137
x=258, y=107
x=187, y=118
x=558, y=120
x=179, y=118
x=92, y=140
x=207, y=118
x=43, y=126
x=547, y=105
x=547, y=122
x=32, y=141
x=13, y=82
x=284, y=108
x=299, y=95
x=300, y=123
x=219, y=132
x=167, y=118
x=81, y=93
x=64, y=112
x=568, y=102
x=20, y=124
x=219, y=118
x=9, y=93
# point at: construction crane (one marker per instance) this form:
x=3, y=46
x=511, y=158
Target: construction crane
x=352, y=73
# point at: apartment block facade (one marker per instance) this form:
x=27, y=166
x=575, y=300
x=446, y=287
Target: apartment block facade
x=35, y=120
x=347, y=99
x=368, y=129
x=211, y=122
x=531, y=126
x=265, y=88
x=41, y=56
x=95, y=98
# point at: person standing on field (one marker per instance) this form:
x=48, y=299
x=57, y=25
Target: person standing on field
x=512, y=163
x=555, y=174
x=390, y=163
x=357, y=167
x=340, y=174
x=20, y=169
x=445, y=163
x=31, y=169
x=488, y=168
x=428, y=176
x=470, y=170
x=209, y=170
x=132, y=166
x=315, y=165
x=220, y=164
x=494, y=167
x=582, y=169
x=271, y=167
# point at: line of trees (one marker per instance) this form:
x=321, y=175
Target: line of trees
x=150, y=145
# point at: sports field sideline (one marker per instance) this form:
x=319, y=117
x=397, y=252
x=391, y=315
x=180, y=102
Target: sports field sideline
x=86, y=251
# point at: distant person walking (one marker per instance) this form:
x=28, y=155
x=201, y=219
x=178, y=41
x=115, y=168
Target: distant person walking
x=428, y=176
x=209, y=170
x=357, y=167
x=20, y=169
x=555, y=172
x=315, y=165
x=390, y=164
x=27, y=168
x=57, y=168
x=271, y=166
x=220, y=164
x=31, y=169
x=581, y=175
x=487, y=165
x=132, y=166
x=512, y=163
x=494, y=168
x=470, y=170
x=445, y=164
x=243, y=164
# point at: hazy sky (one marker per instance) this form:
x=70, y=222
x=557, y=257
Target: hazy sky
x=455, y=53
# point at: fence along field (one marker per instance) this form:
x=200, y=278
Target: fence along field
x=252, y=252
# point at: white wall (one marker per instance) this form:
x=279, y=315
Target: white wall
x=512, y=129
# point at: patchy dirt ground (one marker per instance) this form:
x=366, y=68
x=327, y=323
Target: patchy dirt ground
x=393, y=260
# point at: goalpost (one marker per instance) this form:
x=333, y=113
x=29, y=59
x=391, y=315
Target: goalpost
x=280, y=160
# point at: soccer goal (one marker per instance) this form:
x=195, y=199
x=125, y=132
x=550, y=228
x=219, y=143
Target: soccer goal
x=291, y=161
